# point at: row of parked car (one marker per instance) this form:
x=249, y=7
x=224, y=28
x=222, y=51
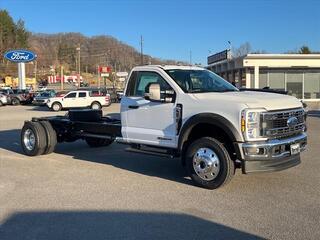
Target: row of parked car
x=15, y=96
x=83, y=97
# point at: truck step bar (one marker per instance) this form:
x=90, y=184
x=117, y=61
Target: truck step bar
x=150, y=152
x=92, y=135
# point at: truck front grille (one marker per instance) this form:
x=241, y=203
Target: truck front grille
x=275, y=124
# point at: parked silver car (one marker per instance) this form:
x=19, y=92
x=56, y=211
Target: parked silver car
x=42, y=98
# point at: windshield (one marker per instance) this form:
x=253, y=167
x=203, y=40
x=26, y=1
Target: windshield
x=199, y=81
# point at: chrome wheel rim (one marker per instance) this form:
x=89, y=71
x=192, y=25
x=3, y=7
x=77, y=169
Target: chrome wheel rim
x=206, y=164
x=29, y=139
x=95, y=106
x=56, y=107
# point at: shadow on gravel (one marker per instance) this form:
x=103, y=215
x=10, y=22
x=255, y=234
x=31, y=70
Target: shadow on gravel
x=10, y=140
x=39, y=109
x=83, y=225
x=116, y=156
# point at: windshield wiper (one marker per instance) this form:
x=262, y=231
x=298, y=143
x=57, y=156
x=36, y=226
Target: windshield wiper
x=230, y=90
x=204, y=91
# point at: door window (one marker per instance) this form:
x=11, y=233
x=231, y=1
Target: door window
x=131, y=84
x=71, y=95
x=82, y=94
x=137, y=85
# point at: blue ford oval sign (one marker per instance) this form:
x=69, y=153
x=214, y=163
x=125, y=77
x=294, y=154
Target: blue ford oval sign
x=20, y=56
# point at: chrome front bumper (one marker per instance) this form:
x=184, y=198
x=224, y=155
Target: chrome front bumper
x=271, y=155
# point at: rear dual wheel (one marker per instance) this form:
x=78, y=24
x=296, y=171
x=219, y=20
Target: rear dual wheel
x=51, y=137
x=38, y=138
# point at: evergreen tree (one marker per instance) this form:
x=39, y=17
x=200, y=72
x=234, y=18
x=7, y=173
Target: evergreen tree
x=304, y=50
x=12, y=35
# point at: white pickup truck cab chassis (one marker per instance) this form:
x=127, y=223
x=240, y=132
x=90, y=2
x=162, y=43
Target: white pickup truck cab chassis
x=191, y=113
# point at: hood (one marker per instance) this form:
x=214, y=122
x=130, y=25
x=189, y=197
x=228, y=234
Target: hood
x=269, y=101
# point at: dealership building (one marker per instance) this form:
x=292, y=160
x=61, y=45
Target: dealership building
x=298, y=74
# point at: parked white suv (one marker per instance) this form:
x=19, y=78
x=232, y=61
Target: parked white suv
x=78, y=99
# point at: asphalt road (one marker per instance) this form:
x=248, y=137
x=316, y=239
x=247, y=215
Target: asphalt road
x=83, y=193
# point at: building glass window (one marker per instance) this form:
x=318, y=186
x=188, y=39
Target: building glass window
x=294, y=83
x=252, y=85
x=312, y=85
x=277, y=80
x=263, y=79
x=243, y=78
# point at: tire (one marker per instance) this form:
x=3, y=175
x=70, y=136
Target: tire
x=96, y=106
x=15, y=101
x=56, y=106
x=51, y=137
x=98, y=142
x=213, y=165
x=1, y=104
x=39, y=135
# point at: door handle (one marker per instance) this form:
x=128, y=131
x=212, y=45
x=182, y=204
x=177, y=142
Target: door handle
x=133, y=106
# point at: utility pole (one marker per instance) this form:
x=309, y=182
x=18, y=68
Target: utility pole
x=79, y=70
x=190, y=57
x=61, y=77
x=35, y=71
x=98, y=73
x=141, y=49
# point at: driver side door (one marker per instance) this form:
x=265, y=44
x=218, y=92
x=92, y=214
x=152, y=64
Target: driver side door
x=144, y=121
x=69, y=100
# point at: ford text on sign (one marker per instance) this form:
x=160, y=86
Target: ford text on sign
x=20, y=56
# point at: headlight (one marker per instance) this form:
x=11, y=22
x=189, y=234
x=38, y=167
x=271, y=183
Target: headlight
x=251, y=125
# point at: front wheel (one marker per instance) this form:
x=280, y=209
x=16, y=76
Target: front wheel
x=15, y=101
x=208, y=163
x=56, y=107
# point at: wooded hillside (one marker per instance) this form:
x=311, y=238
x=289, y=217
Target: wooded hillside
x=55, y=50
x=61, y=48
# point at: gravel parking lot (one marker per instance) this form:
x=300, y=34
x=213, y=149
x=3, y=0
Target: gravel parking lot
x=106, y=193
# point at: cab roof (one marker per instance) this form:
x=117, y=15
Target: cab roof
x=166, y=67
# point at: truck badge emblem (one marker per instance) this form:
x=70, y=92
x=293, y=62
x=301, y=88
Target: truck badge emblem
x=292, y=121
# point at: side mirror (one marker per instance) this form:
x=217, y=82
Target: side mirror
x=153, y=92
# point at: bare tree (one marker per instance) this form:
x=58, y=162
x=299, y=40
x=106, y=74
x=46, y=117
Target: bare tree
x=242, y=50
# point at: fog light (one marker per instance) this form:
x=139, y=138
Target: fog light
x=279, y=149
x=254, y=151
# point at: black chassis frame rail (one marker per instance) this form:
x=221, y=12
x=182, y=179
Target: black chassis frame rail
x=69, y=131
